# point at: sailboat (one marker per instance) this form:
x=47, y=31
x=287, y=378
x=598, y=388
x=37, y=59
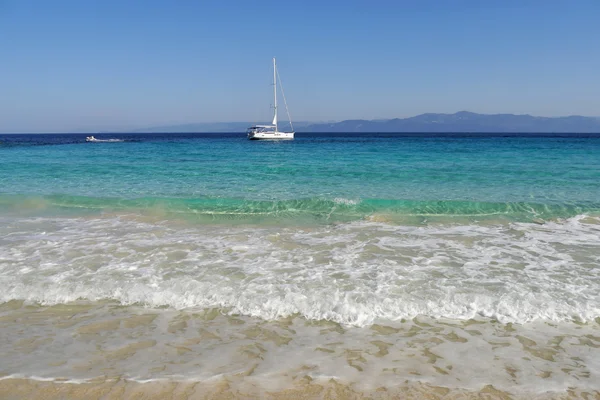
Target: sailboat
x=257, y=132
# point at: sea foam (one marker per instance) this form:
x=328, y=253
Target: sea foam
x=354, y=274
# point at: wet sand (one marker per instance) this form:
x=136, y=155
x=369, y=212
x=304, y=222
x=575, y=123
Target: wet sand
x=108, y=389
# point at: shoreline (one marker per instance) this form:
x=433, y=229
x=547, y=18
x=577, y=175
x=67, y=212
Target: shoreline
x=305, y=388
x=98, y=350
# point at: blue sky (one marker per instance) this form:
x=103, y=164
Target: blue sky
x=111, y=64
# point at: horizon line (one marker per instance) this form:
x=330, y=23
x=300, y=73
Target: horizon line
x=82, y=130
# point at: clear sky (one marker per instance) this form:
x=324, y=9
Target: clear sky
x=111, y=64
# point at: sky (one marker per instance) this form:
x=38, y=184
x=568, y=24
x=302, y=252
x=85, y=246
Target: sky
x=68, y=65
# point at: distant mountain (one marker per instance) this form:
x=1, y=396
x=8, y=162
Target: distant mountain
x=462, y=121
x=198, y=127
x=465, y=121
x=215, y=127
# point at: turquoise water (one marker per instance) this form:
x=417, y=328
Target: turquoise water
x=321, y=178
x=376, y=260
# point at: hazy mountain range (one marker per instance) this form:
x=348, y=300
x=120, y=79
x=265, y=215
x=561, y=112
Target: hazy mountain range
x=462, y=121
x=216, y=127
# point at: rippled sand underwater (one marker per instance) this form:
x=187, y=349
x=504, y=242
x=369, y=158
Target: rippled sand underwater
x=104, y=350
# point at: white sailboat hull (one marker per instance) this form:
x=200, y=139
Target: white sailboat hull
x=270, y=135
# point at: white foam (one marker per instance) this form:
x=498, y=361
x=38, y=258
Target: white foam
x=45, y=379
x=354, y=274
x=348, y=202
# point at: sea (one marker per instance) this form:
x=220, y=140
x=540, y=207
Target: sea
x=346, y=265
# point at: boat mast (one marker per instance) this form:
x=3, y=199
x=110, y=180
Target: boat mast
x=275, y=93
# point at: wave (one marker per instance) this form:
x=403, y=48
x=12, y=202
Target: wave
x=314, y=209
x=346, y=308
x=354, y=273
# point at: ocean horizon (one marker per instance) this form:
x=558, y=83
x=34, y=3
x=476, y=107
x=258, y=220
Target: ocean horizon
x=335, y=265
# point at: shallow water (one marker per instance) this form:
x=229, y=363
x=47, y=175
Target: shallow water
x=381, y=265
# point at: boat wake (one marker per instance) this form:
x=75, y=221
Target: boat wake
x=93, y=139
